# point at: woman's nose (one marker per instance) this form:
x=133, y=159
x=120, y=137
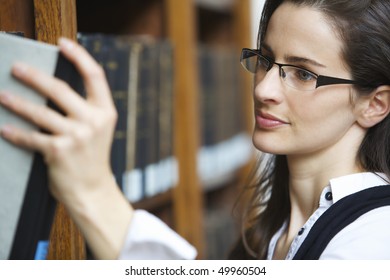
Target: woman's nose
x=269, y=89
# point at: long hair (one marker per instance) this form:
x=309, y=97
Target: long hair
x=364, y=28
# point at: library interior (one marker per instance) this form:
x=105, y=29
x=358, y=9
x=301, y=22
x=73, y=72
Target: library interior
x=182, y=145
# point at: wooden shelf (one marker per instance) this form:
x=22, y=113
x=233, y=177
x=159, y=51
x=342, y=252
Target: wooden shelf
x=183, y=207
x=47, y=20
x=219, y=5
x=122, y=17
x=157, y=201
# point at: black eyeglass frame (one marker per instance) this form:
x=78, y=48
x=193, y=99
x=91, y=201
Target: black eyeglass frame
x=321, y=79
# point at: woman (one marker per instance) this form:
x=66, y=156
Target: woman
x=321, y=97
x=319, y=128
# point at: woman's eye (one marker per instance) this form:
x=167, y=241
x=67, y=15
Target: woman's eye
x=304, y=75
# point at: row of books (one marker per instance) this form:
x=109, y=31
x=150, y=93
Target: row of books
x=140, y=73
x=225, y=145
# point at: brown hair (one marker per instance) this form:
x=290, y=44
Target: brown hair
x=364, y=27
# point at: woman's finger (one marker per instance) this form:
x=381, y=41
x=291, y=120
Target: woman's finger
x=93, y=74
x=30, y=140
x=39, y=115
x=52, y=88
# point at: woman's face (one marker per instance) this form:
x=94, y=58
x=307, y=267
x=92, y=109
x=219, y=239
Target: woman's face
x=290, y=121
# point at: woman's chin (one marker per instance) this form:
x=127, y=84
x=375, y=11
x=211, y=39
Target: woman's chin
x=270, y=144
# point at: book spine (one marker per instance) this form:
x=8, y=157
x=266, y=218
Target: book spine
x=133, y=182
x=225, y=145
x=117, y=69
x=140, y=74
x=208, y=111
x=167, y=162
x=147, y=109
x=114, y=58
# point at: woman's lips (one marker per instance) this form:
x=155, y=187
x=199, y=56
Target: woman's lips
x=268, y=121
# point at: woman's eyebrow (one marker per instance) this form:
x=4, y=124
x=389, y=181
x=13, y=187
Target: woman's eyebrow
x=292, y=58
x=297, y=59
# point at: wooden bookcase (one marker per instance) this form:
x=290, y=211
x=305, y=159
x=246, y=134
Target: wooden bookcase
x=226, y=26
x=47, y=20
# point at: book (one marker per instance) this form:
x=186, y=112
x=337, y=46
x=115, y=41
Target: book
x=155, y=166
x=26, y=206
x=113, y=55
x=167, y=171
x=225, y=145
x=119, y=58
x=139, y=71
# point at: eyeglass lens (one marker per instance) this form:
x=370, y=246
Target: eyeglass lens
x=293, y=76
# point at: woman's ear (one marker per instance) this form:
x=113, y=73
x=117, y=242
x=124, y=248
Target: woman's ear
x=375, y=107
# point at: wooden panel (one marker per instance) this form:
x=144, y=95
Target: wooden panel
x=66, y=241
x=55, y=18
x=17, y=16
x=187, y=195
x=121, y=17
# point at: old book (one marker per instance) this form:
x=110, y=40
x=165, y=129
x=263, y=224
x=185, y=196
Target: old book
x=225, y=145
x=132, y=178
x=113, y=55
x=139, y=72
x=208, y=111
x=154, y=117
x=119, y=55
x=167, y=169
x=147, y=116
x=26, y=206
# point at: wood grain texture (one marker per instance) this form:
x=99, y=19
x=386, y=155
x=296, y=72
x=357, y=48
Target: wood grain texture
x=17, y=16
x=187, y=196
x=53, y=19
x=66, y=241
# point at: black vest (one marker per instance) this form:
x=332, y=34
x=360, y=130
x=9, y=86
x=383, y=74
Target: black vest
x=338, y=216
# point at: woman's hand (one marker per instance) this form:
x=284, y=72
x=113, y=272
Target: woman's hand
x=77, y=150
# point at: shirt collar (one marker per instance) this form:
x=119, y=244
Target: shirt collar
x=346, y=185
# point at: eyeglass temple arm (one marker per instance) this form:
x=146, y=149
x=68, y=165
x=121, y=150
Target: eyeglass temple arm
x=325, y=80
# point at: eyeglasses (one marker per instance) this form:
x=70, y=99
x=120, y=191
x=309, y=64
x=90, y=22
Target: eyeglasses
x=294, y=76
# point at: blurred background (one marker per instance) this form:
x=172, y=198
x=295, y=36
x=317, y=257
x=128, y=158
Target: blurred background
x=185, y=107
x=182, y=148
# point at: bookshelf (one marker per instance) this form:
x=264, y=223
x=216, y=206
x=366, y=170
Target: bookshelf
x=225, y=26
x=182, y=207
x=47, y=20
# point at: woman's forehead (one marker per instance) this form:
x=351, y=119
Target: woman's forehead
x=304, y=32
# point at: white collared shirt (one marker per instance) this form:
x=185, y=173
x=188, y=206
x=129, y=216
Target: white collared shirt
x=366, y=238
x=149, y=238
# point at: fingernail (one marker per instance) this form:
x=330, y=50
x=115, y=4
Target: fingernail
x=65, y=43
x=5, y=98
x=6, y=131
x=19, y=69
